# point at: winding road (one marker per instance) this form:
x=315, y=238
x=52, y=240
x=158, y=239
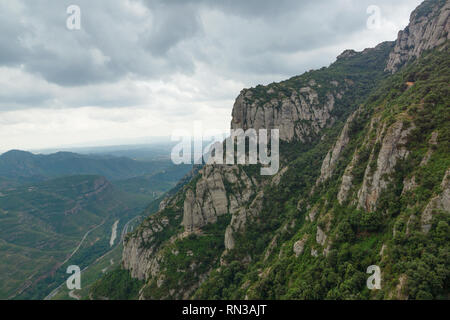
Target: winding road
x=122, y=237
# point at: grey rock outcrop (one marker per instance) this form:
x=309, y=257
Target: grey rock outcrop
x=138, y=258
x=210, y=199
x=321, y=237
x=296, y=116
x=347, y=54
x=239, y=219
x=432, y=142
x=312, y=213
x=409, y=184
x=392, y=149
x=299, y=246
x=332, y=157
x=429, y=28
x=347, y=180
x=440, y=202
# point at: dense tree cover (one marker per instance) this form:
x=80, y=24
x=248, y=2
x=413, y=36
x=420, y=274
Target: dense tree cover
x=116, y=285
x=195, y=252
x=423, y=259
x=414, y=264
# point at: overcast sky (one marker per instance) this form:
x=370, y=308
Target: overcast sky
x=141, y=68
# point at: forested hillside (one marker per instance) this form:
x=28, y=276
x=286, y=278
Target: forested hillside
x=364, y=180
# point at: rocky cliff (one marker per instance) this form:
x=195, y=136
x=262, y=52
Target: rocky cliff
x=364, y=174
x=429, y=28
x=297, y=115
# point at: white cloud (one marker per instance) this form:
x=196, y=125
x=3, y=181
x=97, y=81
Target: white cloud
x=145, y=67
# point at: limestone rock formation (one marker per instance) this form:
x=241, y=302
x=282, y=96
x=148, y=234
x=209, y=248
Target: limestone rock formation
x=302, y=111
x=429, y=27
x=239, y=219
x=392, y=149
x=296, y=116
x=321, y=237
x=440, y=202
x=210, y=199
x=300, y=245
x=139, y=259
x=332, y=157
x=347, y=179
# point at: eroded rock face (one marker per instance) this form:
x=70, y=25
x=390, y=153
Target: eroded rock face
x=347, y=54
x=332, y=157
x=432, y=142
x=296, y=116
x=392, y=149
x=273, y=244
x=429, y=28
x=299, y=246
x=140, y=259
x=312, y=214
x=409, y=184
x=210, y=199
x=277, y=178
x=321, y=237
x=399, y=292
x=240, y=217
x=347, y=180
x=440, y=202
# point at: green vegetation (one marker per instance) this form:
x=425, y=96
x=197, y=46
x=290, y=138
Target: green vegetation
x=106, y=263
x=116, y=285
x=356, y=237
x=49, y=202
x=201, y=251
x=156, y=184
x=339, y=241
x=27, y=167
x=42, y=224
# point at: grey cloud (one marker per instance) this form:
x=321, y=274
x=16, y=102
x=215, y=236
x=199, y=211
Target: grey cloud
x=38, y=39
x=172, y=25
x=251, y=38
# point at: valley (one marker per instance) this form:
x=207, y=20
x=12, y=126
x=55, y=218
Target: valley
x=51, y=218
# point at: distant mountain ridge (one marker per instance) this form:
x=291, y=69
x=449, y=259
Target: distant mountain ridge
x=49, y=203
x=26, y=166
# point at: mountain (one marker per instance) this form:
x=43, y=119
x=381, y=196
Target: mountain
x=154, y=184
x=151, y=178
x=25, y=166
x=42, y=224
x=60, y=208
x=364, y=180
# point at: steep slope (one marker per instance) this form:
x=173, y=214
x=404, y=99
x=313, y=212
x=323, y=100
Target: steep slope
x=364, y=180
x=384, y=202
x=429, y=28
x=205, y=217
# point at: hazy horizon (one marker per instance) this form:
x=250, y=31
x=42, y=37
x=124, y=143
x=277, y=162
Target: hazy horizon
x=139, y=68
